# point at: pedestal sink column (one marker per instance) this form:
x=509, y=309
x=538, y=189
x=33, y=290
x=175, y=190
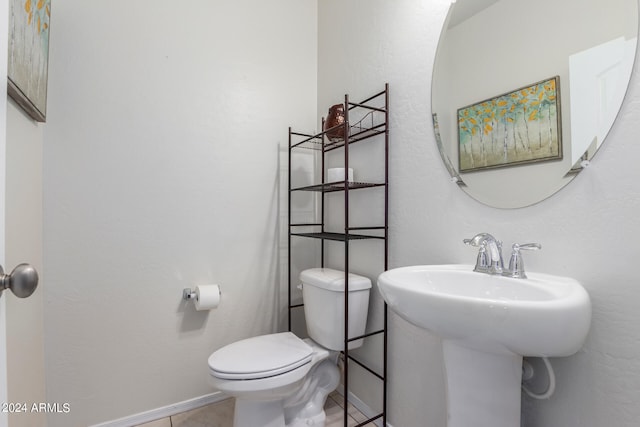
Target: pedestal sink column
x=483, y=389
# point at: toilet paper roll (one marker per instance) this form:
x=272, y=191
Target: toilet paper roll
x=207, y=297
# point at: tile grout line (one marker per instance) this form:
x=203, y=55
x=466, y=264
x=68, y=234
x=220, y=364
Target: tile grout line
x=331, y=397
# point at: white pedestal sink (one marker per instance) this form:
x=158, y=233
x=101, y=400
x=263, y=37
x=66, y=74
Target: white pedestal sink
x=487, y=324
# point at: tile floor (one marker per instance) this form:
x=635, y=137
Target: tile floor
x=220, y=414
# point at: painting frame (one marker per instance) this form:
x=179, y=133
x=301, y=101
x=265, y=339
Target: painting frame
x=519, y=127
x=28, y=59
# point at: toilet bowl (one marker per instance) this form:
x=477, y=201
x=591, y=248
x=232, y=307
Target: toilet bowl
x=286, y=386
x=281, y=380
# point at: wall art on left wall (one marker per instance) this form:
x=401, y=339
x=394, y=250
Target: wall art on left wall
x=29, y=22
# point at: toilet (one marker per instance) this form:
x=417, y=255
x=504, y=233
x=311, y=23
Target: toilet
x=281, y=380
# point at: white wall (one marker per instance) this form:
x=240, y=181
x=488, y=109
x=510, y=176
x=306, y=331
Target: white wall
x=161, y=172
x=25, y=333
x=588, y=230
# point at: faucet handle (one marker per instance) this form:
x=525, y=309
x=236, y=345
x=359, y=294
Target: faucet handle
x=482, y=262
x=490, y=254
x=516, y=264
x=526, y=246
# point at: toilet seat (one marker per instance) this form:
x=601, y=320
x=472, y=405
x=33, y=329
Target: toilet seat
x=260, y=357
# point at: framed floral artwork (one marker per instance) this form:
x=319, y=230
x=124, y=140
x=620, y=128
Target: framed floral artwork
x=520, y=127
x=29, y=22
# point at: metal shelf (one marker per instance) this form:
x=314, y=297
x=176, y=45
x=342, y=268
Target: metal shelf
x=338, y=186
x=317, y=142
x=340, y=237
x=373, y=122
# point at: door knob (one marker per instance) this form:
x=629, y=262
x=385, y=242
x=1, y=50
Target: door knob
x=22, y=281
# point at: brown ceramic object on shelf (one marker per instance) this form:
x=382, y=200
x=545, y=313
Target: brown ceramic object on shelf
x=335, y=118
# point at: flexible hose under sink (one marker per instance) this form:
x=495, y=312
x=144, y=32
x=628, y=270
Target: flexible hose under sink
x=552, y=383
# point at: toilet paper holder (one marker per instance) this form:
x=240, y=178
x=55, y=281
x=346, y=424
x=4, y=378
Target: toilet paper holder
x=188, y=294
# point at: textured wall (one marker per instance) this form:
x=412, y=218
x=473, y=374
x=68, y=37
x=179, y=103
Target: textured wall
x=588, y=230
x=160, y=173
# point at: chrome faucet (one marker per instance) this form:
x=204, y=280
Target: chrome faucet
x=490, y=254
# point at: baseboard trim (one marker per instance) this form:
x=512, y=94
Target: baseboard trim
x=165, y=411
x=197, y=402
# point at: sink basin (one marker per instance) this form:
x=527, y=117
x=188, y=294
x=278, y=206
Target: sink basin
x=487, y=324
x=542, y=315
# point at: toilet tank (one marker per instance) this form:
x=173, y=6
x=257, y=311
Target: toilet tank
x=323, y=292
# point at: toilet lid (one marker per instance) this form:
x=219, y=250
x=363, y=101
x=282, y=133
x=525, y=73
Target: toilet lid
x=260, y=357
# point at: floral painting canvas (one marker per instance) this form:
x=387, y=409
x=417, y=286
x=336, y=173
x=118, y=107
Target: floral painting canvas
x=29, y=55
x=519, y=127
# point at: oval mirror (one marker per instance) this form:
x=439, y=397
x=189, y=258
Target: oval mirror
x=524, y=93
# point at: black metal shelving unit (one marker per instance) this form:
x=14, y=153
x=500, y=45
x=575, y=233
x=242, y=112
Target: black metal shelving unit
x=372, y=128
